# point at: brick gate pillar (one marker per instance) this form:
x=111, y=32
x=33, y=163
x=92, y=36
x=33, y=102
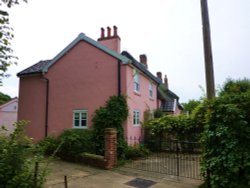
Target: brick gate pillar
x=110, y=147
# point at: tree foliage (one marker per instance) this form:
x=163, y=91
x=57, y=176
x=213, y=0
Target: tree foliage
x=180, y=127
x=6, y=35
x=18, y=157
x=233, y=87
x=73, y=142
x=226, y=149
x=191, y=105
x=4, y=98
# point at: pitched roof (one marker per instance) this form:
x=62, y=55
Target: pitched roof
x=34, y=69
x=167, y=95
x=141, y=67
x=43, y=66
x=8, y=103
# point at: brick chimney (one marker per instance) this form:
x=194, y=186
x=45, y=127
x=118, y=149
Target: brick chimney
x=111, y=41
x=166, y=81
x=143, y=60
x=159, y=75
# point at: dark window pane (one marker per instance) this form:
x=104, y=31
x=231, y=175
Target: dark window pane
x=84, y=122
x=76, y=123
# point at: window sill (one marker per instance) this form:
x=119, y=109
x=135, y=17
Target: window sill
x=136, y=125
x=137, y=93
x=80, y=127
x=151, y=98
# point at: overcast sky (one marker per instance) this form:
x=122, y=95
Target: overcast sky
x=169, y=32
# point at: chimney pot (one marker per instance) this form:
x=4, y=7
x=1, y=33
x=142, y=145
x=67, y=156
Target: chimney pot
x=115, y=31
x=143, y=60
x=112, y=42
x=166, y=81
x=102, y=33
x=109, y=31
x=159, y=75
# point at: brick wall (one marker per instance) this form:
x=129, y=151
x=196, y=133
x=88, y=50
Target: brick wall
x=110, y=148
x=109, y=160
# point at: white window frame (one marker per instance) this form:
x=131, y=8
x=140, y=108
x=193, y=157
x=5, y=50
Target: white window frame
x=150, y=90
x=80, y=112
x=136, y=117
x=136, y=81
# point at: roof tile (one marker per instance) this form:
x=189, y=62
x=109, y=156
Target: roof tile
x=36, y=68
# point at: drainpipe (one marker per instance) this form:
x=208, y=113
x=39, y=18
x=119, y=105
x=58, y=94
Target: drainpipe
x=46, y=105
x=119, y=78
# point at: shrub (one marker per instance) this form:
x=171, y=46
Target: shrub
x=226, y=149
x=180, y=127
x=158, y=113
x=135, y=152
x=49, y=145
x=74, y=142
x=18, y=157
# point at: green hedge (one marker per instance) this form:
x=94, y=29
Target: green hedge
x=70, y=144
x=74, y=142
x=181, y=127
x=226, y=148
x=135, y=152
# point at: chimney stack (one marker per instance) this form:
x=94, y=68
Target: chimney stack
x=112, y=42
x=159, y=75
x=109, y=31
x=166, y=81
x=143, y=60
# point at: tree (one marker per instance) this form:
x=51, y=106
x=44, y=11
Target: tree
x=6, y=35
x=191, y=105
x=18, y=158
x=235, y=86
x=226, y=138
x=4, y=98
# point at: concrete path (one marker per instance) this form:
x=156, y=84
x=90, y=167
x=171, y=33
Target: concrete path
x=82, y=176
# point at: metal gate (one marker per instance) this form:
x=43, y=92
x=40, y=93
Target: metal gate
x=172, y=157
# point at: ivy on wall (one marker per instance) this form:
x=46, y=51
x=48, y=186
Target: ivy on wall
x=112, y=115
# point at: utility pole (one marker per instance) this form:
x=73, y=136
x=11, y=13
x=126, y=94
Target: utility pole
x=208, y=57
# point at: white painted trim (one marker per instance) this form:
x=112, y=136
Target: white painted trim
x=137, y=111
x=80, y=111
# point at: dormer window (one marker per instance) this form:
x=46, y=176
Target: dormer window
x=136, y=81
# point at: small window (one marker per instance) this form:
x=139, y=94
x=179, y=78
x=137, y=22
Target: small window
x=136, y=81
x=136, y=117
x=80, y=118
x=151, y=89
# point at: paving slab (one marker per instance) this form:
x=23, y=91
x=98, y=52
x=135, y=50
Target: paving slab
x=83, y=176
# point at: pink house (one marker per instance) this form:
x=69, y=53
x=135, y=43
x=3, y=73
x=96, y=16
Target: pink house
x=8, y=114
x=64, y=92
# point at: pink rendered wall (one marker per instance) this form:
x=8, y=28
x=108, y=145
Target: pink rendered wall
x=141, y=101
x=32, y=95
x=7, y=119
x=8, y=115
x=112, y=43
x=83, y=79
